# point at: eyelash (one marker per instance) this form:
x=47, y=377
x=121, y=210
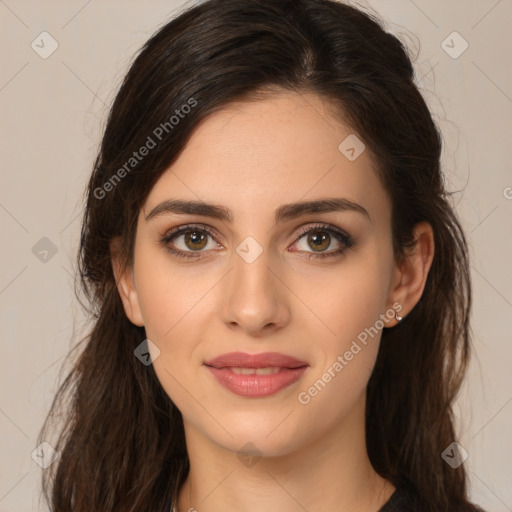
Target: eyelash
x=345, y=239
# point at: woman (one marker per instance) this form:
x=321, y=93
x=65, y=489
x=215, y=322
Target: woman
x=279, y=286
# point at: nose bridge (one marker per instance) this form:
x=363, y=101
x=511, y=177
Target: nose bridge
x=255, y=298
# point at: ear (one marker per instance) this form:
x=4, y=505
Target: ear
x=411, y=274
x=125, y=283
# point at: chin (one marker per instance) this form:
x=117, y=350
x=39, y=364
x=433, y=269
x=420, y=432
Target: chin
x=259, y=434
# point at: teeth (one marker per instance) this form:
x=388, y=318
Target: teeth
x=255, y=371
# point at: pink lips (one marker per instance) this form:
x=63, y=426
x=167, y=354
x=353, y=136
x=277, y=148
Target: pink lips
x=256, y=375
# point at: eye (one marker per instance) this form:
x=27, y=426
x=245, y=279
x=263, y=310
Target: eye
x=188, y=241
x=320, y=237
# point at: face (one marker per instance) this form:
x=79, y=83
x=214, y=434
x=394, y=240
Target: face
x=316, y=286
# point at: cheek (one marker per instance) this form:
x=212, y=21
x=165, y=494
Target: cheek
x=168, y=294
x=176, y=305
x=346, y=345
x=347, y=350
x=345, y=299
x=172, y=305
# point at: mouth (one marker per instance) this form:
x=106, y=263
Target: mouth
x=256, y=375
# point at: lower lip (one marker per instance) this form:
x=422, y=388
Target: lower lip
x=257, y=385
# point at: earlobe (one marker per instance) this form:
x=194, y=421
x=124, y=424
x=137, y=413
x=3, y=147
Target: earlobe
x=413, y=270
x=126, y=286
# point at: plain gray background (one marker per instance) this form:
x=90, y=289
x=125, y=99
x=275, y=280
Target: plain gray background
x=53, y=110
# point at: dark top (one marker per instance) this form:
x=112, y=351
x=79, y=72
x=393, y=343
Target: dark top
x=404, y=499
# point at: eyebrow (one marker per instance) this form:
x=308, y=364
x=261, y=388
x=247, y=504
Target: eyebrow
x=283, y=213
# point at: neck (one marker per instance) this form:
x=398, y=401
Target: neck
x=331, y=473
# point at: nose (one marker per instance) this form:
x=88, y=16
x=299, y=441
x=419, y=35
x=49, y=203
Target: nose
x=255, y=296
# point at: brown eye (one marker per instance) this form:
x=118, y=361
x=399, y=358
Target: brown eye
x=319, y=240
x=189, y=241
x=315, y=240
x=195, y=240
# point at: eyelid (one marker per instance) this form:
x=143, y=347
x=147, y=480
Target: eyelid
x=327, y=227
x=186, y=227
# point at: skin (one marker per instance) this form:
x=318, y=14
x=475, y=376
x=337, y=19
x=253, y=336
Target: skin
x=253, y=157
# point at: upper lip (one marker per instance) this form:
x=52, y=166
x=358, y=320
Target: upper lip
x=263, y=360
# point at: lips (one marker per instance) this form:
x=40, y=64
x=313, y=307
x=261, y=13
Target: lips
x=256, y=375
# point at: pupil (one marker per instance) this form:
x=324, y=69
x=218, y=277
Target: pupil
x=195, y=238
x=318, y=240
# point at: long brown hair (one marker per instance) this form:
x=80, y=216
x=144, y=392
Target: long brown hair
x=122, y=445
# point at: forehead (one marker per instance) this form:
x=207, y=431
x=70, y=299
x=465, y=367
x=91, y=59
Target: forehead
x=253, y=156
